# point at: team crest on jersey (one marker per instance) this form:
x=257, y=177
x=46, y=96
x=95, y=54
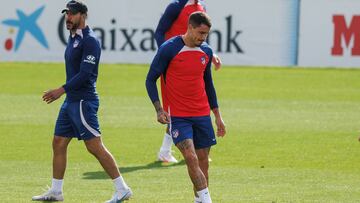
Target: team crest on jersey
x=175, y=133
x=76, y=43
x=203, y=60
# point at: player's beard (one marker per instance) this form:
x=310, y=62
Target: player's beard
x=73, y=26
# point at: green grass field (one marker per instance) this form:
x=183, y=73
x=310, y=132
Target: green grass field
x=292, y=137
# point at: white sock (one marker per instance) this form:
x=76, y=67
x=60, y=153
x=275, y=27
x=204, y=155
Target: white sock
x=204, y=195
x=120, y=184
x=197, y=200
x=57, y=185
x=166, y=144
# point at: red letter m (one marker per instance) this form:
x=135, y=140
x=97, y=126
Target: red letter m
x=341, y=31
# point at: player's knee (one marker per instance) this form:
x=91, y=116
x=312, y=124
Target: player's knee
x=191, y=158
x=92, y=150
x=59, y=144
x=203, y=159
x=95, y=150
x=94, y=146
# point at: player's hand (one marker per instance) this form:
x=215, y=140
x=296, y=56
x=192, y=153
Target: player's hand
x=52, y=95
x=163, y=117
x=221, y=131
x=216, y=61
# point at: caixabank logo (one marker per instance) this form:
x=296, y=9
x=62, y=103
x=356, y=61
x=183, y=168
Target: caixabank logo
x=25, y=24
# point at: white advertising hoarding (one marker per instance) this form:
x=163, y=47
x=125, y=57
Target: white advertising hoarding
x=267, y=30
x=245, y=32
x=329, y=33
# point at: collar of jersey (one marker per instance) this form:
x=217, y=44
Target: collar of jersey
x=79, y=32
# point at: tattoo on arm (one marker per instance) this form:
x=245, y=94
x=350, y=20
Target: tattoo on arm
x=157, y=106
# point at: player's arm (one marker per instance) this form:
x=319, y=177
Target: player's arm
x=212, y=98
x=89, y=61
x=171, y=13
x=157, y=68
x=216, y=61
x=91, y=48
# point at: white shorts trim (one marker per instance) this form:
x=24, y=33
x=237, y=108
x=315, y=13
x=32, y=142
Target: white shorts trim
x=87, y=126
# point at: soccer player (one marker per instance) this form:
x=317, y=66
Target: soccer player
x=185, y=63
x=78, y=114
x=174, y=22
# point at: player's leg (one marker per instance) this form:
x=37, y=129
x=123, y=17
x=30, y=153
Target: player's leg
x=203, y=156
x=55, y=193
x=84, y=117
x=182, y=133
x=107, y=161
x=63, y=134
x=197, y=177
x=59, y=146
x=165, y=153
x=204, y=138
x=105, y=158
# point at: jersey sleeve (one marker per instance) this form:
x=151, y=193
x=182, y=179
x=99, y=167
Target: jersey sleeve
x=158, y=67
x=202, y=3
x=209, y=84
x=171, y=13
x=90, y=60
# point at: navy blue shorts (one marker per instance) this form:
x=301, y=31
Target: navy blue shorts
x=78, y=119
x=199, y=129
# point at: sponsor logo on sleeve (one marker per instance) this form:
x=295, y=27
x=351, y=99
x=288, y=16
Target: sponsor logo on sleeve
x=90, y=59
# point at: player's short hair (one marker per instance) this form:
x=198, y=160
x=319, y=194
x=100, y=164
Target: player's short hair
x=198, y=18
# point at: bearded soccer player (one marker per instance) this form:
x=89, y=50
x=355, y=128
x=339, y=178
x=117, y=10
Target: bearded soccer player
x=185, y=64
x=174, y=22
x=78, y=114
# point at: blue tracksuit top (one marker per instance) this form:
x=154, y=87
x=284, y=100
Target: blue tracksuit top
x=82, y=57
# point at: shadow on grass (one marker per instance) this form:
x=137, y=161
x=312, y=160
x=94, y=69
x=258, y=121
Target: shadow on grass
x=154, y=165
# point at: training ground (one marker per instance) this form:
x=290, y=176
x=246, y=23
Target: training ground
x=292, y=136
